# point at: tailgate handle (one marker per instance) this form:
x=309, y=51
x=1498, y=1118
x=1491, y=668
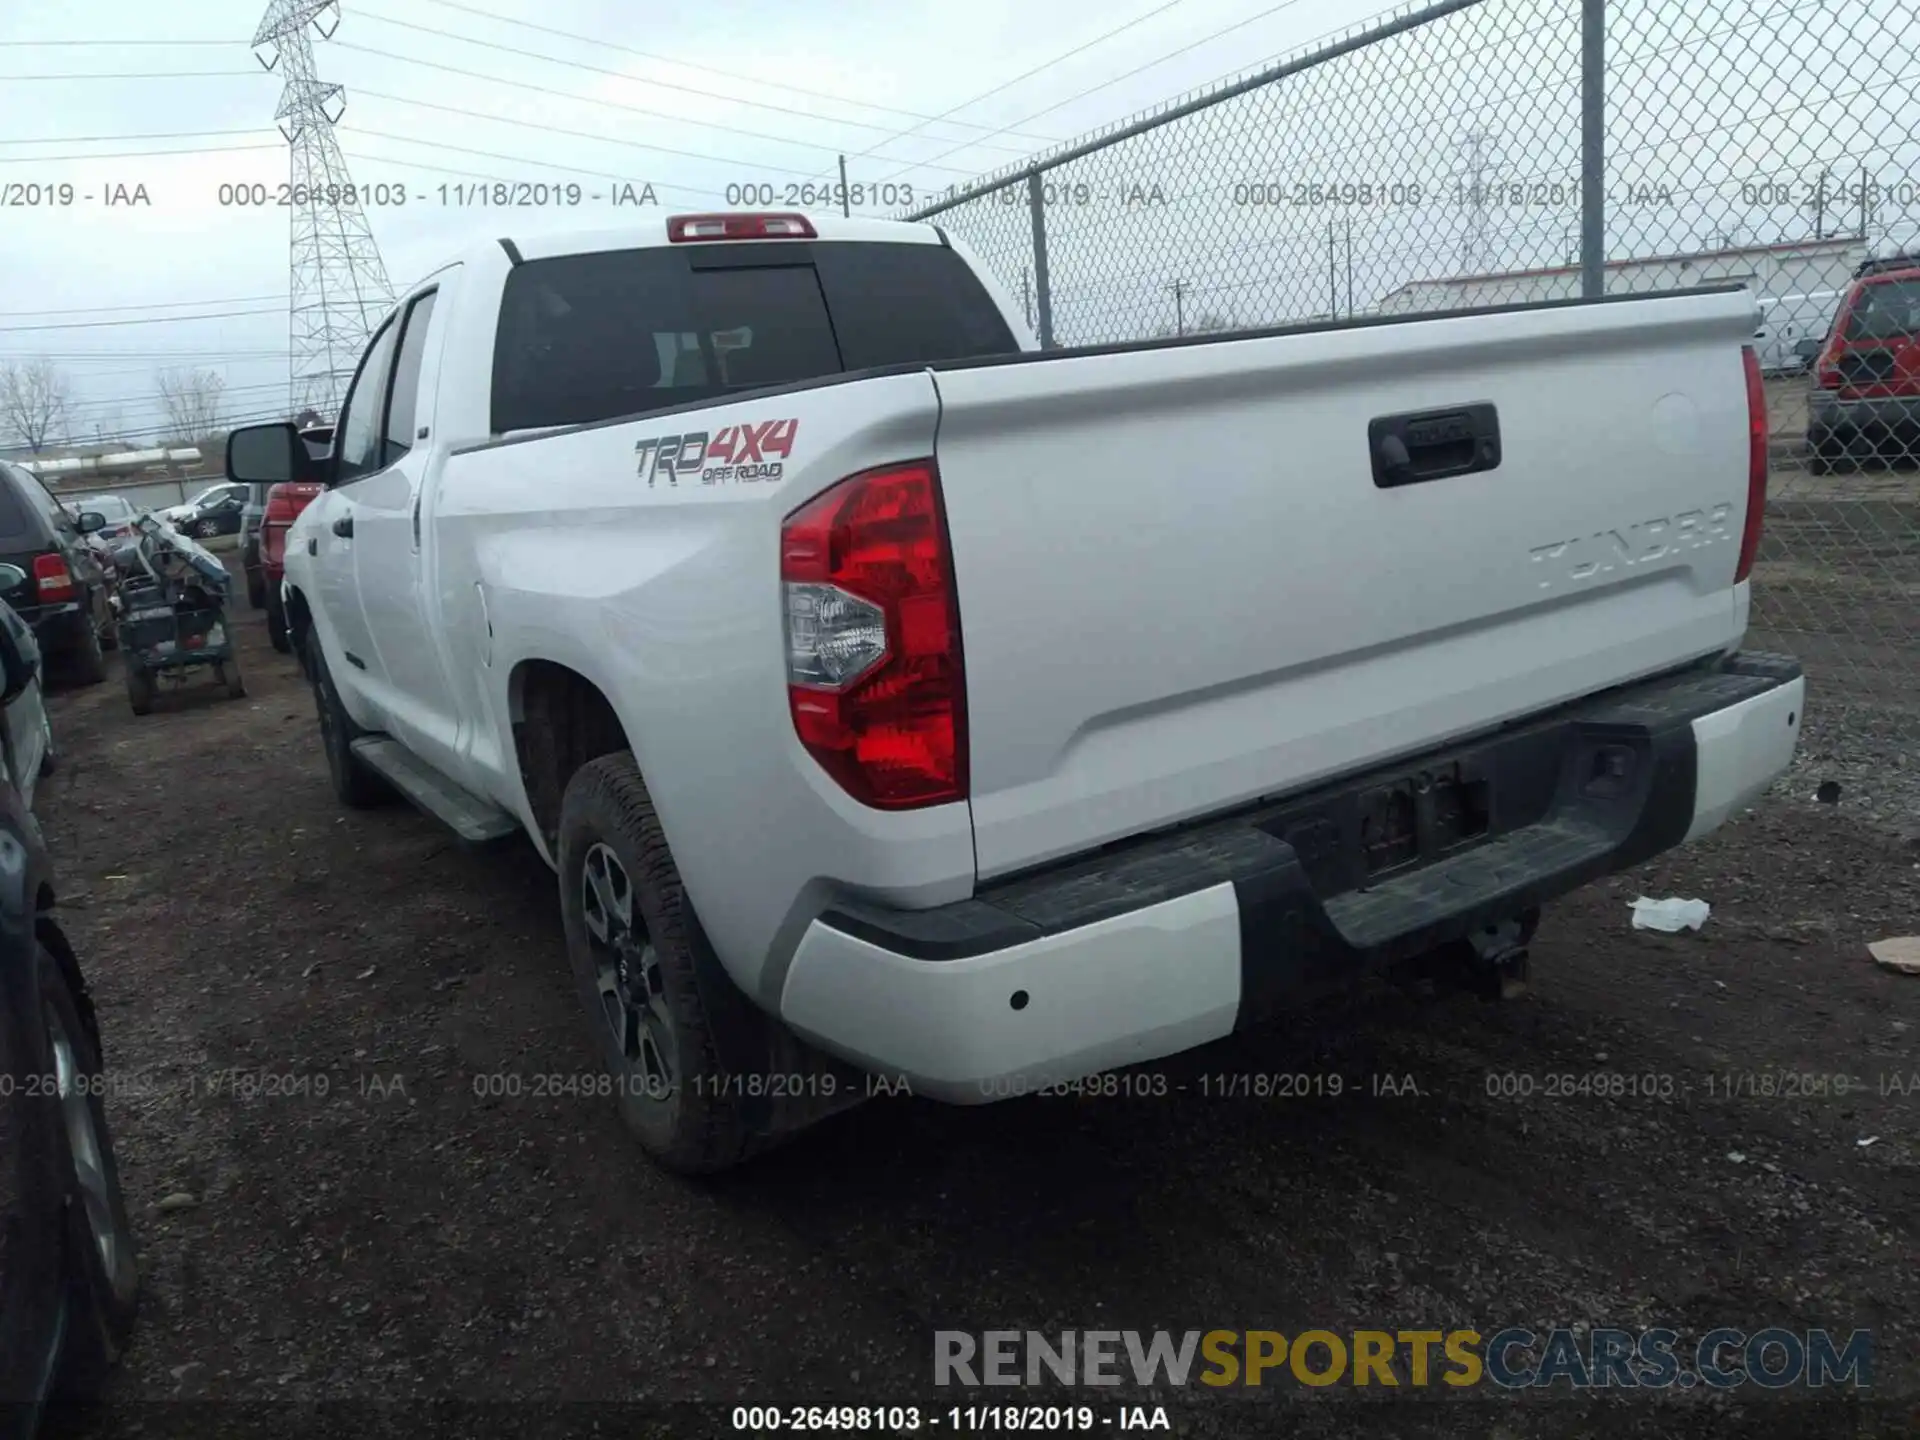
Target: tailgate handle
x=1434, y=444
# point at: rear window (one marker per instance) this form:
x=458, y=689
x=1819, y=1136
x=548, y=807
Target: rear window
x=20, y=528
x=594, y=337
x=1886, y=311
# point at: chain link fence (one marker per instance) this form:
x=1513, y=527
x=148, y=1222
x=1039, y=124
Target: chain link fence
x=1486, y=152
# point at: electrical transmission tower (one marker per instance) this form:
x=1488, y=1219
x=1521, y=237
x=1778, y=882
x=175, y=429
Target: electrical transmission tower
x=1477, y=152
x=337, y=287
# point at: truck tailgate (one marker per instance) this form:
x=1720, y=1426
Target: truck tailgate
x=1182, y=586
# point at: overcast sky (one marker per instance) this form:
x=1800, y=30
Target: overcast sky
x=749, y=92
x=733, y=101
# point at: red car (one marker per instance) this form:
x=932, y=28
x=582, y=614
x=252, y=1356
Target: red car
x=285, y=501
x=1866, y=398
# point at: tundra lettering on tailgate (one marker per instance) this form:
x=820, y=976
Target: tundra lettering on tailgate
x=1585, y=556
x=740, y=454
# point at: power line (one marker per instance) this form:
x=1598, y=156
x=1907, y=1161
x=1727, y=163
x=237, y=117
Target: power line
x=596, y=100
x=150, y=305
x=1024, y=75
x=146, y=320
x=115, y=139
x=138, y=154
x=569, y=169
x=143, y=75
x=405, y=164
x=524, y=54
x=360, y=92
x=68, y=44
x=1115, y=80
x=707, y=69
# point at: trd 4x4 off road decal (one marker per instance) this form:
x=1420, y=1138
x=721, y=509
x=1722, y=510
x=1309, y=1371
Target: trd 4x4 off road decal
x=737, y=454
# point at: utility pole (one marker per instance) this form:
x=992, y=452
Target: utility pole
x=1349, y=220
x=1819, y=206
x=337, y=289
x=1333, y=276
x=845, y=196
x=1179, y=289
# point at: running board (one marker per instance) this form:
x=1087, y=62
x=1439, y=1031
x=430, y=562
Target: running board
x=474, y=820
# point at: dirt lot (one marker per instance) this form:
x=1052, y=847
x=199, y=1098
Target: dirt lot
x=402, y=1238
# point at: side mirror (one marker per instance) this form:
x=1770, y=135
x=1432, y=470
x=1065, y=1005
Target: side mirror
x=19, y=663
x=268, y=455
x=89, y=521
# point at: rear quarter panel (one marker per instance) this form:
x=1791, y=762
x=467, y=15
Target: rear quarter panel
x=666, y=595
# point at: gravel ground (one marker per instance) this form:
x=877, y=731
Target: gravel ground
x=404, y=1239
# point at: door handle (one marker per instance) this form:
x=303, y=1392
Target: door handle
x=343, y=527
x=1434, y=445
x=416, y=520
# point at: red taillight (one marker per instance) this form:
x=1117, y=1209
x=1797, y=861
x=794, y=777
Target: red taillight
x=1756, y=464
x=739, y=227
x=51, y=578
x=874, y=672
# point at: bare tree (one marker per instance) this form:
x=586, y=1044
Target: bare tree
x=192, y=401
x=34, y=402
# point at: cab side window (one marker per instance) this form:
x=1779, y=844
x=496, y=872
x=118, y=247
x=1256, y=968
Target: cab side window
x=403, y=413
x=362, y=417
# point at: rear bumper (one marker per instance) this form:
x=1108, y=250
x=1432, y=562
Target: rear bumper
x=1175, y=940
x=1842, y=419
x=59, y=628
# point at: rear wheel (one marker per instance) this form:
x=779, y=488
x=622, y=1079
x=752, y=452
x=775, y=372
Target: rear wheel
x=207, y=529
x=140, y=687
x=357, y=787
x=630, y=940
x=256, y=590
x=104, y=1286
x=227, y=672
x=277, y=633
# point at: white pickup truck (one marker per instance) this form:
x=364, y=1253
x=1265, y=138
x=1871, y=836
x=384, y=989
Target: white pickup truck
x=893, y=698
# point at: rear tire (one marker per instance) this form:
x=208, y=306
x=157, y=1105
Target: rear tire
x=354, y=785
x=277, y=634
x=630, y=940
x=104, y=1286
x=256, y=590
x=140, y=687
x=227, y=672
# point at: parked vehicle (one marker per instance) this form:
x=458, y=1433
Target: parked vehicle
x=893, y=692
x=69, y=1284
x=64, y=597
x=1791, y=327
x=214, y=511
x=173, y=599
x=26, y=731
x=1866, y=399
x=116, y=510
x=260, y=588
x=284, y=504
x=1882, y=264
